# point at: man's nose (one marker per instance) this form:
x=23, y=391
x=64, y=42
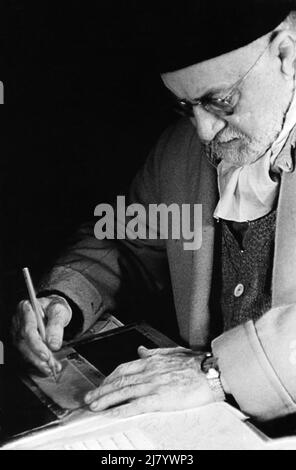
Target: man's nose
x=207, y=124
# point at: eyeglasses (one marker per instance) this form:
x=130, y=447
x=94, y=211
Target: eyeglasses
x=221, y=107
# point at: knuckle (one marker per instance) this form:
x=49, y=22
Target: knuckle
x=26, y=306
x=54, y=326
x=53, y=338
x=57, y=316
x=119, y=382
x=98, y=392
x=114, y=412
x=127, y=391
x=26, y=331
x=155, y=360
x=155, y=351
x=54, y=311
x=120, y=369
x=57, y=299
x=59, y=303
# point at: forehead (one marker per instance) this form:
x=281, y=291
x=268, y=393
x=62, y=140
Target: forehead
x=220, y=72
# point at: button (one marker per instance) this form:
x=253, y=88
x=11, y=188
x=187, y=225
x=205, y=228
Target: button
x=239, y=290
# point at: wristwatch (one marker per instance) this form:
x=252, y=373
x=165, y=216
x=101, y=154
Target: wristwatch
x=209, y=365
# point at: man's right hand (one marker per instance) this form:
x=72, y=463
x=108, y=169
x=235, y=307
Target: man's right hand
x=26, y=336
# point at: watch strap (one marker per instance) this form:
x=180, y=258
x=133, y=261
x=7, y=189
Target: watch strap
x=209, y=366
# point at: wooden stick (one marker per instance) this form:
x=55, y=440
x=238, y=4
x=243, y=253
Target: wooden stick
x=38, y=313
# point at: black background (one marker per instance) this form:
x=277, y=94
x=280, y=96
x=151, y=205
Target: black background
x=84, y=103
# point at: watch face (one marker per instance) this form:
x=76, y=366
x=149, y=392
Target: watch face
x=213, y=373
x=210, y=362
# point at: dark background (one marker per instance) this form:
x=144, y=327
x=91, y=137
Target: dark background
x=84, y=103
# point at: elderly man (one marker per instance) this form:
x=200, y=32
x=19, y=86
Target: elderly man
x=231, y=71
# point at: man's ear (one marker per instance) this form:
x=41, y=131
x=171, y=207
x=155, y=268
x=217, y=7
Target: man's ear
x=283, y=46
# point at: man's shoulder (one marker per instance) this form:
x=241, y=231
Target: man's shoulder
x=180, y=133
x=178, y=144
x=179, y=158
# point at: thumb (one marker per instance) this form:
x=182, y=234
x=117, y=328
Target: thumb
x=58, y=317
x=144, y=352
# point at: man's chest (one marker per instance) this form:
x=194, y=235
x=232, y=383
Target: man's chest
x=247, y=253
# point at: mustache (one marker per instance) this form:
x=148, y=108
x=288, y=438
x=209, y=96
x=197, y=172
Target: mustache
x=228, y=134
x=211, y=148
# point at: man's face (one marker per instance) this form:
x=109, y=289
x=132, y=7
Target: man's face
x=264, y=97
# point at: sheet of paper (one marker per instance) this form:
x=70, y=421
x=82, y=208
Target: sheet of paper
x=212, y=427
x=69, y=390
x=131, y=439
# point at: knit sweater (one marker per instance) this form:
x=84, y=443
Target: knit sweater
x=246, y=270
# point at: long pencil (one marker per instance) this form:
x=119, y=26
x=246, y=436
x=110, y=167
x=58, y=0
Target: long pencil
x=38, y=313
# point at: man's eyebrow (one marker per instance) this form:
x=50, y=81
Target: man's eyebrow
x=209, y=94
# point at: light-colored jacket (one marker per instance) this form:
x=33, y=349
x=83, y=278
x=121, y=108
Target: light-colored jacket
x=258, y=360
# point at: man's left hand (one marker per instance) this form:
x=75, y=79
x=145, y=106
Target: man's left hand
x=164, y=379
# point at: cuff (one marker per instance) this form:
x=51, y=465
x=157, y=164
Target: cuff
x=77, y=288
x=249, y=375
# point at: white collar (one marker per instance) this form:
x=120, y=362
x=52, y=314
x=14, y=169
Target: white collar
x=249, y=192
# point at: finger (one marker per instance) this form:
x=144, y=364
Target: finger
x=58, y=317
x=54, y=364
x=136, y=407
x=29, y=332
x=26, y=314
x=31, y=341
x=147, y=367
x=55, y=299
x=144, y=352
x=105, y=388
x=116, y=384
x=128, y=368
x=37, y=346
x=43, y=362
x=120, y=396
x=33, y=359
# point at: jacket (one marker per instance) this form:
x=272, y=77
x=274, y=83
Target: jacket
x=257, y=360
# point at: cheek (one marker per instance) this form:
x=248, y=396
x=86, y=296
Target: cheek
x=256, y=121
x=248, y=123
x=260, y=111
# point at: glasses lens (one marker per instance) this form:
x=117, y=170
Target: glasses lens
x=220, y=108
x=184, y=109
x=225, y=106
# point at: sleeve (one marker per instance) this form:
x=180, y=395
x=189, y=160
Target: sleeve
x=101, y=275
x=258, y=362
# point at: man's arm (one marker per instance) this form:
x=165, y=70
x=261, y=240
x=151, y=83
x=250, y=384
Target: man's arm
x=95, y=276
x=101, y=275
x=258, y=363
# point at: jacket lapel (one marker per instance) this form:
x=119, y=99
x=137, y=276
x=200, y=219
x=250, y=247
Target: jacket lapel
x=203, y=191
x=284, y=268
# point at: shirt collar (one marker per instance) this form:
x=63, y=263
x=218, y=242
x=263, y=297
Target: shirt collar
x=285, y=161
